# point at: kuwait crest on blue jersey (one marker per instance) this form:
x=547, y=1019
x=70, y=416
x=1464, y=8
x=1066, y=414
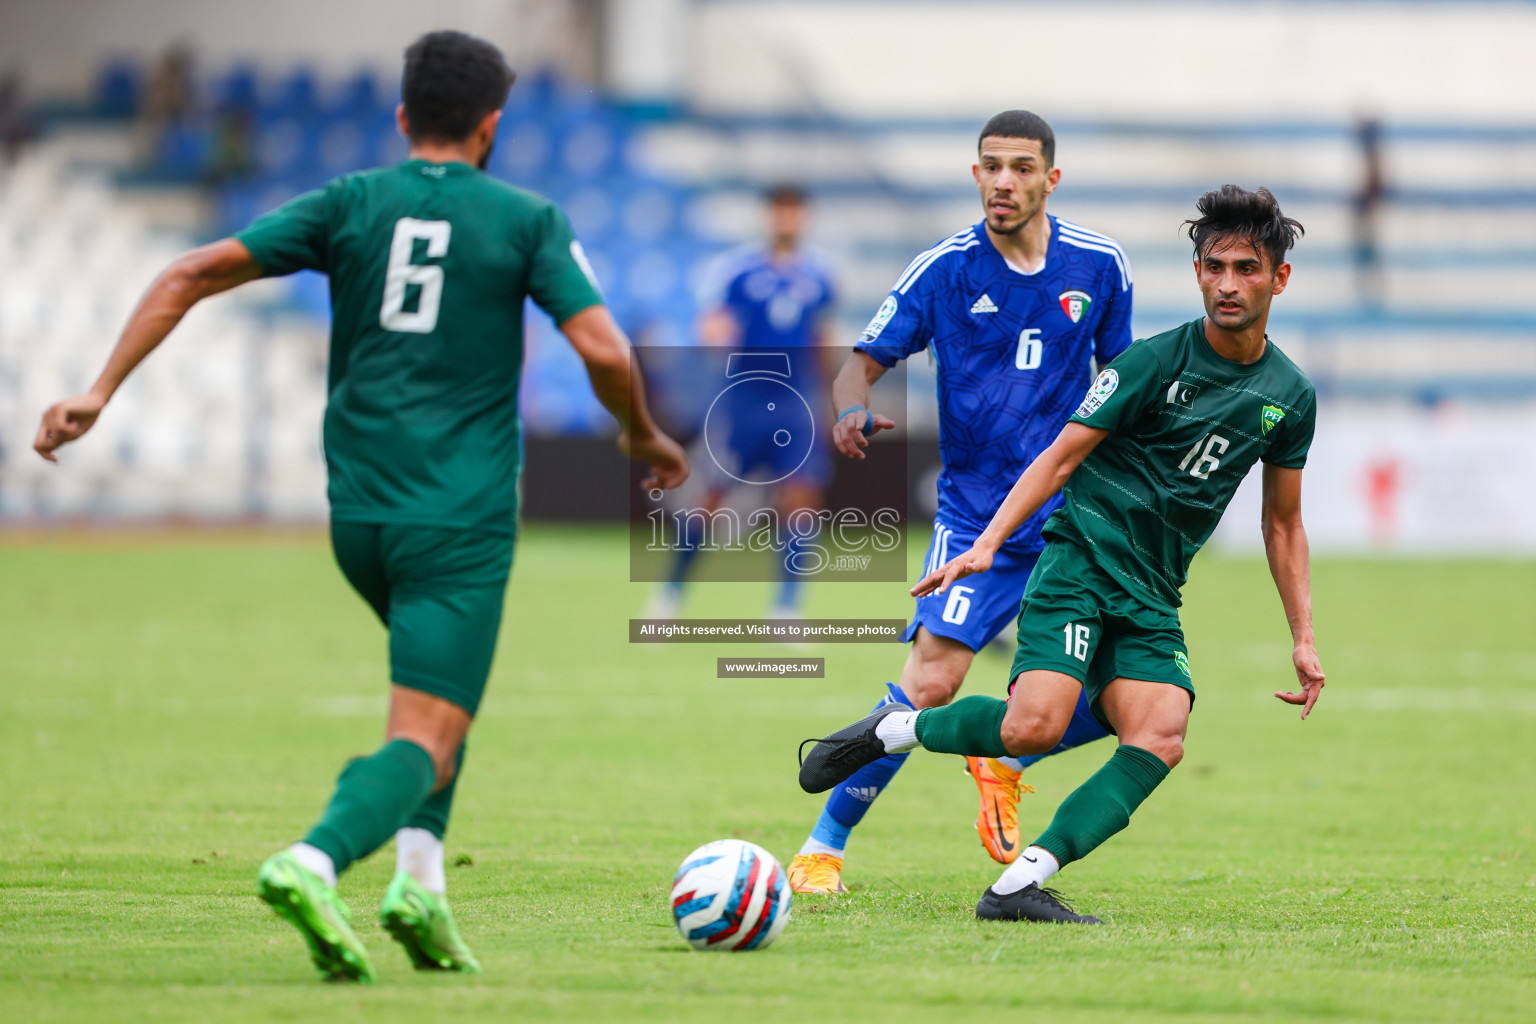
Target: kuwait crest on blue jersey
x=1075, y=304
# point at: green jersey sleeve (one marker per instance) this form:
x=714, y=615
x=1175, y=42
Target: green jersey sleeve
x=1289, y=450
x=560, y=279
x=1124, y=390
x=295, y=236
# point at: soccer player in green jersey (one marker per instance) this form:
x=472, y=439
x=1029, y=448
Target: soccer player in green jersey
x=430, y=263
x=1146, y=465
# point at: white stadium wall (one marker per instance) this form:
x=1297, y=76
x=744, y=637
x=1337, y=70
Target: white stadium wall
x=859, y=57
x=1183, y=61
x=59, y=44
x=1432, y=481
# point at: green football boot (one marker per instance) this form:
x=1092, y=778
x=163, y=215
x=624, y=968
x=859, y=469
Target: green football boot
x=302, y=898
x=422, y=923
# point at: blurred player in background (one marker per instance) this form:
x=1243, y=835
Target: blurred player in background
x=771, y=296
x=1148, y=464
x=1015, y=310
x=430, y=263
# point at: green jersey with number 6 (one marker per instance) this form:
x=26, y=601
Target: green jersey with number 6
x=1185, y=427
x=429, y=267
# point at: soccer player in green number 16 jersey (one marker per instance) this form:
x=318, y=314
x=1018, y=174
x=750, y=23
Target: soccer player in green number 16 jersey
x=1146, y=466
x=429, y=263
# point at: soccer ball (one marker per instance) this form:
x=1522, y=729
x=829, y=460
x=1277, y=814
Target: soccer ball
x=730, y=894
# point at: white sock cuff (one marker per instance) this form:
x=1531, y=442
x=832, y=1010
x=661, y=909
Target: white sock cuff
x=812, y=846
x=419, y=854
x=315, y=859
x=899, y=731
x=1036, y=864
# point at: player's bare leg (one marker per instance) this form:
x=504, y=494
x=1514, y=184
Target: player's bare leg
x=436, y=725
x=415, y=907
x=1150, y=719
x=1000, y=784
x=374, y=796
x=1152, y=716
x=934, y=669
x=1039, y=710
x=1032, y=722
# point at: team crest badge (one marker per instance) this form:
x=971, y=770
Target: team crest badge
x=882, y=317
x=1075, y=304
x=1182, y=661
x=1099, y=393
x=1270, y=418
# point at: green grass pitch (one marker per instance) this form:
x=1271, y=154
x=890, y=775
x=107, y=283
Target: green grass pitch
x=171, y=712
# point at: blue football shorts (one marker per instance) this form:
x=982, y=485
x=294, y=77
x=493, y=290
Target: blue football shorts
x=977, y=608
x=760, y=449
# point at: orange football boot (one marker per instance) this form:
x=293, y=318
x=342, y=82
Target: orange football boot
x=998, y=821
x=816, y=872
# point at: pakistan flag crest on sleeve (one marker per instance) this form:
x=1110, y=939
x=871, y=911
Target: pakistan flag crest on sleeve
x=1270, y=418
x=1075, y=304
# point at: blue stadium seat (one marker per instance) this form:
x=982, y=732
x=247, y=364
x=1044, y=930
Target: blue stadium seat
x=523, y=150
x=592, y=214
x=238, y=90
x=183, y=151
x=358, y=97
x=283, y=146
x=342, y=146
x=118, y=88
x=292, y=97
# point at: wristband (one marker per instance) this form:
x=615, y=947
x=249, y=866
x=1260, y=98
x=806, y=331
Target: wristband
x=869, y=418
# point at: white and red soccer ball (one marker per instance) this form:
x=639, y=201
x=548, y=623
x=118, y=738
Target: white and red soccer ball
x=730, y=895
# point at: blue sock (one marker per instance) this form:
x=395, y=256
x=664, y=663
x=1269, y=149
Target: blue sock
x=830, y=832
x=789, y=581
x=849, y=802
x=1083, y=728
x=683, y=555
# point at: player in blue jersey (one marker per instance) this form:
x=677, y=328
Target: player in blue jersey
x=1015, y=311
x=766, y=298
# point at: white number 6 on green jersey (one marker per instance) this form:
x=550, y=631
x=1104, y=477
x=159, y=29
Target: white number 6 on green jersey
x=402, y=272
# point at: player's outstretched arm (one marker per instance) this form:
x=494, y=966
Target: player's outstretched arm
x=1036, y=485
x=193, y=277
x=1285, y=542
x=605, y=350
x=850, y=390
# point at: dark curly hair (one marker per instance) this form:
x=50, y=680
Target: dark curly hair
x=1021, y=124
x=1253, y=217
x=452, y=80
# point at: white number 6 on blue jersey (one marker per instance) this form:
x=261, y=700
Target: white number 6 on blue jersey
x=959, y=604
x=1028, y=356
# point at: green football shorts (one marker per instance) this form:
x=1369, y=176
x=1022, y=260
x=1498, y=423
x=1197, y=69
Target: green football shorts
x=439, y=592
x=1077, y=619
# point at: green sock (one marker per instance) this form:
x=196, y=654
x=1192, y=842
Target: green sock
x=433, y=813
x=1103, y=805
x=971, y=725
x=374, y=796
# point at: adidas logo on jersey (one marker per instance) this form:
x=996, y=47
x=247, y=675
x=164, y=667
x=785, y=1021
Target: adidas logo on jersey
x=984, y=305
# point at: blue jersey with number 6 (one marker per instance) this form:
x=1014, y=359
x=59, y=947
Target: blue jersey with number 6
x=1013, y=352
